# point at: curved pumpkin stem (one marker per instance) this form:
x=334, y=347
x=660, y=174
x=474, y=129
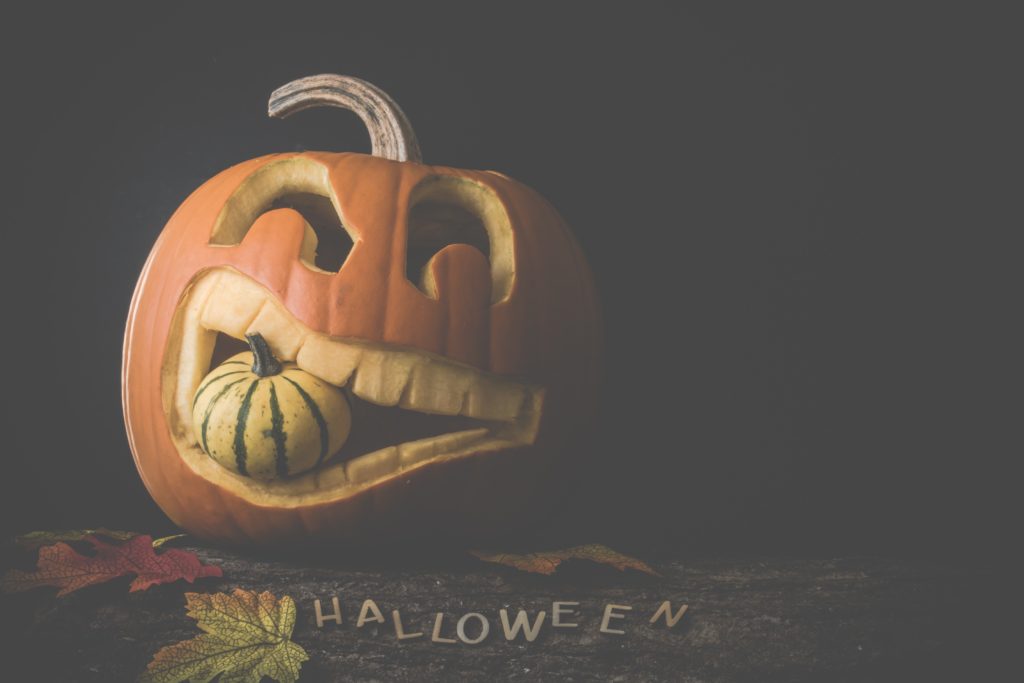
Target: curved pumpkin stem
x=264, y=363
x=391, y=133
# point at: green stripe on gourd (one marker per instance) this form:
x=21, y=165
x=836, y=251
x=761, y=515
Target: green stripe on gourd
x=321, y=423
x=212, y=378
x=242, y=421
x=277, y=434
x=209, y=409
x=297, y=423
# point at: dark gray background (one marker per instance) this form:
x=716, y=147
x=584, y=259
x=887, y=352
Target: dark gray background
x=798, y=217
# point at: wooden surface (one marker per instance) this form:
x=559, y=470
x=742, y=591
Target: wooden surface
x=748, y=620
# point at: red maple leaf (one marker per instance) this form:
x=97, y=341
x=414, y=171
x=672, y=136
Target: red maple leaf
x=61, y=566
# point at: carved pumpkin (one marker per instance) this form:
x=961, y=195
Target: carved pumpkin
x=458, y=317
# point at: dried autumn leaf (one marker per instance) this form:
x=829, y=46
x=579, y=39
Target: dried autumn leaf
x=247, y=636
x=547, y=562
x=59, y=565
x=36, y=539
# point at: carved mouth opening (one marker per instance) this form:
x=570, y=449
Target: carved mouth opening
x=409, y=407
x=374, y=427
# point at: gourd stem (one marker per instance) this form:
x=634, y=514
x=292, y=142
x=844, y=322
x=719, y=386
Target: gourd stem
x=391, y=134
x=264, y=363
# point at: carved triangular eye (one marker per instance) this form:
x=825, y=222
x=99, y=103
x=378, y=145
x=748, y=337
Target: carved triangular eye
x=447, y=210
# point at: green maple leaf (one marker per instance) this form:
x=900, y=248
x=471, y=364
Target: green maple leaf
x=247, y=636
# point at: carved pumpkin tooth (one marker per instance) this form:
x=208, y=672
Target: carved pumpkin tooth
x=493, y=399
x=382, y=375
x=424, y=449
x=281, y=331
x=232, y=306
x=371, y=466
x=195, y=350
x=437, y=388
x=415, y=451
x=330, y=476
x=330, y=361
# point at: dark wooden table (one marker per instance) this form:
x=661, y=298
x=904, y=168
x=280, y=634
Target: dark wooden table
x=767, y=619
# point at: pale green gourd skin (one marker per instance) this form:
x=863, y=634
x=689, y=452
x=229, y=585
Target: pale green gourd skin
x=275, y=443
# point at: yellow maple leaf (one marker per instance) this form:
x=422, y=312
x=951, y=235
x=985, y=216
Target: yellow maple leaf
x=547, y=562
x=247, y=636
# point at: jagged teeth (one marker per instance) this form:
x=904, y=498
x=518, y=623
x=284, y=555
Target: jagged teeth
x=371, y=466
x=282, y=332
x=237, y=305
x=223, y=300
x=437, y=388
x=232, y=305
x=333, y=474
x=368, y=467
x=490, y=399
x=411, y=380
x=330, y=361
x=382, y=375
x=418, y=451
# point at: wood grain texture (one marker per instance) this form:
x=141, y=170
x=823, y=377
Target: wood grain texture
x=749, y=620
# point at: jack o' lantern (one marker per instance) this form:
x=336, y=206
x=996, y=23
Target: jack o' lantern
x=443, y=320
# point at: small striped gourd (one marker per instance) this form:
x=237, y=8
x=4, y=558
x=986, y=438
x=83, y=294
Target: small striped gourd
x=267, y=420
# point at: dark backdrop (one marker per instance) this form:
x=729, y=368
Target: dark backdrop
x=798, y=219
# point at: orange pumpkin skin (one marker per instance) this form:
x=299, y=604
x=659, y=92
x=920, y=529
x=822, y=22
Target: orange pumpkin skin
x=547, y=330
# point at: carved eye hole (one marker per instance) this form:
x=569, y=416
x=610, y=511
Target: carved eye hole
x=432, y=227
x=448, y=210
x=330, y=243
x=295, y=183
